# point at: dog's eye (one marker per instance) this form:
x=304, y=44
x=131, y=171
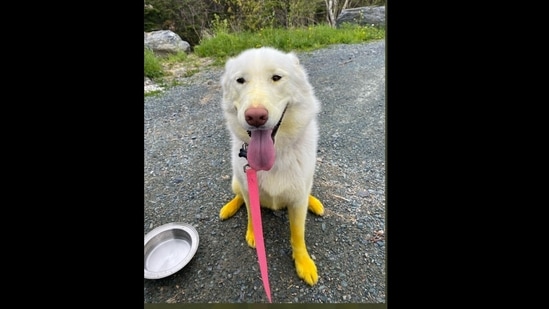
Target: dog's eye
x=276, y=78
x=240, y=80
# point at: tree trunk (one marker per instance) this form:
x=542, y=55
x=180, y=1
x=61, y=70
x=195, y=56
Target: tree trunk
x=331, y=9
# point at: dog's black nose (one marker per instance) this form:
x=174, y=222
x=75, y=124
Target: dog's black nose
x=256, y=116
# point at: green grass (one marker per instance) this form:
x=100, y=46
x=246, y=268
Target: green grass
x=152, y=93
x=179, y=57
x=224, y=44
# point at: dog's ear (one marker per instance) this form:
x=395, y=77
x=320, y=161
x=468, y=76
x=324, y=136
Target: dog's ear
x=294, y=58
x=228, y=64
x=224, y=76
x=299, y=69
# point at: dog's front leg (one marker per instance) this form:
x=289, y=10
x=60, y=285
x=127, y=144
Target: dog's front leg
x=229, y=209
x=305, y=266
x=250, y=237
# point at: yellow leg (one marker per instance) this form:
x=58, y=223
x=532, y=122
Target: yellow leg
x=231, y=207
x=315, y=206
x=250, y=237
x=304, y=265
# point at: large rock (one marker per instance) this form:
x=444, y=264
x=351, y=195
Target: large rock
x=367, y=15
x=164, y=42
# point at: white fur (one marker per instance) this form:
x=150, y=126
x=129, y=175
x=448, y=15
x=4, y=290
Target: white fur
x=291, y=177
x=289, y=181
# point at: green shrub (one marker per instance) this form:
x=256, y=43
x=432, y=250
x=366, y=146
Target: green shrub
x=152, y=67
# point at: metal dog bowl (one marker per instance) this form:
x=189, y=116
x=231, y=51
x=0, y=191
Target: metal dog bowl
x=168, y=248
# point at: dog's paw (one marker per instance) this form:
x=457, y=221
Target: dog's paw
x=231, y=207
x=316, y=206
x=250, y=238
x=306, y=269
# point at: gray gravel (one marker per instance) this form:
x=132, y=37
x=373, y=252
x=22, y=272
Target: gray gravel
x=187, y=177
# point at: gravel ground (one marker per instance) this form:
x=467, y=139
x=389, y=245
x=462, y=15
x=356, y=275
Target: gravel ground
x=187, y=177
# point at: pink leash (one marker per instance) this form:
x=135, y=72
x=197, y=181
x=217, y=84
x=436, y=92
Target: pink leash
x=258, y=229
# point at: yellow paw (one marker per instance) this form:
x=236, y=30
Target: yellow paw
x=250, y=238
x=315, y=206
x=306, y=269
x=231, y=207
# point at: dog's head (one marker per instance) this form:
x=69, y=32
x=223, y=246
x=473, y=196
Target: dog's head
x=264, y=88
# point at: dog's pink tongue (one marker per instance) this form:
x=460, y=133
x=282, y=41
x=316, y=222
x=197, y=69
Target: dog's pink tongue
x=261, y=151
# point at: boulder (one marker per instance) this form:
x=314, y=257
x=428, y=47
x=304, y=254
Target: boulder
x=165, y=42
x=366, y=15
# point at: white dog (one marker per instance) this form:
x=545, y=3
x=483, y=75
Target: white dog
x=271, y=112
